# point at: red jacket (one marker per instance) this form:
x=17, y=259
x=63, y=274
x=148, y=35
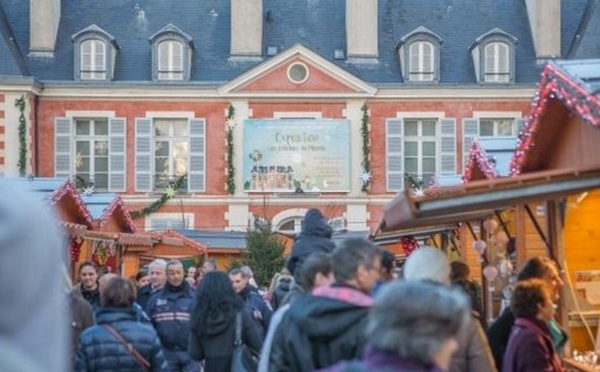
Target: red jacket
x=530, y=348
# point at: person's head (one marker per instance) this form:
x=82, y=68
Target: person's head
x=175, y=273
x=388, y=266
x=357, y=263
x=316, y=271
x=239, y=280
x=209, y=265
x=88, y=275
x=158, y=273
x=141, y=279
x=427, y=263
x=104, y=280
x=545, y=269
x=459, y=271
x=532, y=298
x=215, y=298
x=191, y=273
x=418, y=320
x=118, y=292
x=247, y=272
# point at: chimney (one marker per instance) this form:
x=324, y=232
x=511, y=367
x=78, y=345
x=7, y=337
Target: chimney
x=544, y=21
x=246, y=27
x=44, y=16
x=361, y=28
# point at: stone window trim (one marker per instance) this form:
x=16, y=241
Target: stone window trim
x=172, y=33
x=478, y=51
x=111, y=48
x=421, y=34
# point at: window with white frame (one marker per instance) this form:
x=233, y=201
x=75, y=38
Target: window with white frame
x=169, y=221
x=92, y=60
x=490, y=127
x=291, y=225
x=91, y=153
x=421, y=61
x=170, y=60
x=171, y=150
x=420, y=149
x=497, y=62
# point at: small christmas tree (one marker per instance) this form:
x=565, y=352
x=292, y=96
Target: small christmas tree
x=264, y=253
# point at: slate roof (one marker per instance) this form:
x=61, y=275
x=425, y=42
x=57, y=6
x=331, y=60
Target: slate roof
x=10, y=56
x=317, y=24
x=586, y=43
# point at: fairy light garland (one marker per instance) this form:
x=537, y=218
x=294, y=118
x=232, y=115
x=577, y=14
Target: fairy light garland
x=478, y=157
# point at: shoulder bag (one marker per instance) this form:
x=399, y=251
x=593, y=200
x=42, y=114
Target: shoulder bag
x=137, y=357
x=244, y=359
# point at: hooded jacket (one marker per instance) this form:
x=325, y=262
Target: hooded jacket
x=314, y=237
x=281, y=290
x=320, y=330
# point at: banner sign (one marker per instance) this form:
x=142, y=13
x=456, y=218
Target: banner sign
x=287, y=155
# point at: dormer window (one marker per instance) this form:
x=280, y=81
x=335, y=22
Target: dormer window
x=171, y=54
x=494, y=57
x=419, y=54
x=95, y=54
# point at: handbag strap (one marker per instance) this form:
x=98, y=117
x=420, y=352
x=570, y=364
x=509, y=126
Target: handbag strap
x=238, y=329
x=137, y=357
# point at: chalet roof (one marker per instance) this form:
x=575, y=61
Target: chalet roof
x=491, y=156
x=217, y=238
x=318, y=25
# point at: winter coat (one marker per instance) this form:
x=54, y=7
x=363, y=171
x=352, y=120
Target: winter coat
x=530, y=348
x=473, y=352
x=257, y=307
x=381, y=361
x=169, y=310
x=144, y=295
x=281, y=290
x=215, y=344
x=100, y=350
x=320, y=330
x=82, y=318
x=92, y=297
x=314, y=237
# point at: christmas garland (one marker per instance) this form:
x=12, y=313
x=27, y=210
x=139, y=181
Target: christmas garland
x=366, y=148
x=22, y=163
x=230, y=170
x=168, y=194
x=409, y=244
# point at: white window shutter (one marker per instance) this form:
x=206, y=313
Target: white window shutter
x=63, y=158
x=394, y=153
x=116, y=159
x=470, y=132
x=448, y=146
x=143, y=154
x=197, y=156
x=520, y=123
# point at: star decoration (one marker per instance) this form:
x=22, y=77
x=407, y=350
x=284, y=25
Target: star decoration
x=78, y=160
x=88, y=190
x=418, y=192
x=365, y=177
x=170, y=192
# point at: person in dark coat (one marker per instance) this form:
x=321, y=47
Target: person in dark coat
x=314, y=237
x=254, y=302
x=100, y=350
x=213, y=322
x=157, y=274
x=88, y=288
x=412, y=327
x=530, y=346
x=82, y=318
x=282, y=288
x=499, y=332
x=328, y=326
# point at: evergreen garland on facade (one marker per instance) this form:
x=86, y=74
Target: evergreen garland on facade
x=229, y=127
x=366, y=149
x=22, y=163
x=169, y=193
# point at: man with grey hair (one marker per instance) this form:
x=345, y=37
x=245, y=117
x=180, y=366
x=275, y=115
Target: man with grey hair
x=328, y=326
x=474, y=354
x=169, y=310
x=209, y=265
x=158, y=277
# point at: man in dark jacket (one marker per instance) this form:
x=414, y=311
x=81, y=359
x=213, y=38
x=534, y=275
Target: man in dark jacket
x=328, y=326
x=314, y=237
x=158, y=277
x=169, y=310
x=87, y=288
x=255, y=303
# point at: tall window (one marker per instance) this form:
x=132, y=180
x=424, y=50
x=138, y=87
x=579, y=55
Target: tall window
x=420, y=149
x=91, y=152
x=93, y=60
x=422, y=61
x=291, y=225
x=497, y=127
x=170, y=150
x=170, y=60
x=497, y=62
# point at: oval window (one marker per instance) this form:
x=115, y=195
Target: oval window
x=297, y=73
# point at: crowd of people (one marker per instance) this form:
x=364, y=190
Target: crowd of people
x=338, y=308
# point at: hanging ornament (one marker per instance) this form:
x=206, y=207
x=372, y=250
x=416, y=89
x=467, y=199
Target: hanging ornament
x=409, y=244
x=170, y=192
x=505, y=267
x=75, y=251
x=365, y=177
x=490, y=273
x=418, y=192
x=490, y=225
x=501, y=238
x=479, y=246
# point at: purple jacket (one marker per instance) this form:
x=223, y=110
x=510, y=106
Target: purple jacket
x=381, y=361
x=530, y=348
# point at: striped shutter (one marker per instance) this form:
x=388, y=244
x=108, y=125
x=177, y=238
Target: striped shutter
x=143, y=154
x=470, y=132
x=448, y=146
x=116, y=159
x=63, y=158
x=520, y=124
x=197, y=156
x=394, y=154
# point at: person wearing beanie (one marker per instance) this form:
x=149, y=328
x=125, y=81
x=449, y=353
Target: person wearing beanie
x=474, y=354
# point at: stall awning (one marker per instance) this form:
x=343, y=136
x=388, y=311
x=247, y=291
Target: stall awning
x=396, y=235
x=463, y=203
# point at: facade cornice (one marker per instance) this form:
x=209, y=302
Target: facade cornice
x=272, y=200
x=20, y=84
x=457, y=92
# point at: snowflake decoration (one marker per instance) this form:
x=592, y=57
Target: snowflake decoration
x=78, y=160
x=101, y=147
x=365, y=177
x=418, y=192
x=230, y=124
x=88, y=190
x=170, y=192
